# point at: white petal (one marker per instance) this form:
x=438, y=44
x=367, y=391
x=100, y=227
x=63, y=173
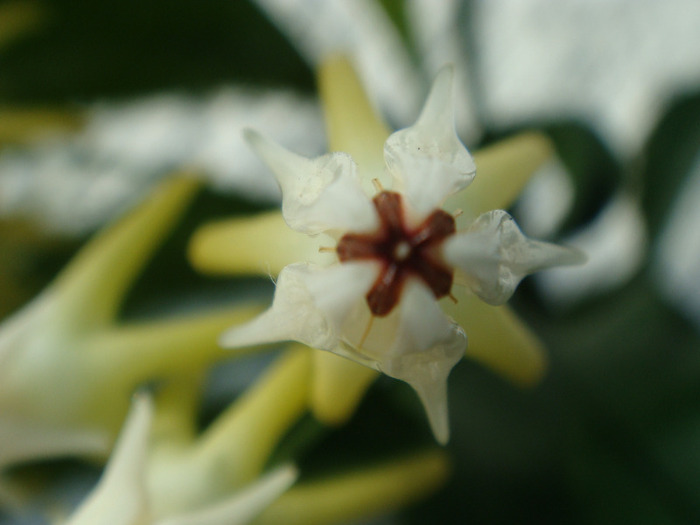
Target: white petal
x=310, y=306
x=318, y=194
x=427, y=345
x=494, y=256
x=120, y=496
x=427, y=160
x=245, y=505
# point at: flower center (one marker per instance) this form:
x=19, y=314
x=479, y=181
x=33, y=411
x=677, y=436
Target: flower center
x=402, y=251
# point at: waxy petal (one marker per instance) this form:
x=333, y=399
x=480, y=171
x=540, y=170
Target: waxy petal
x=243, y=506
x=412, y=339
x=71, y=327
x=427, y=160
x=310, y=305
x=494, y=256
x=120, y=496
x=190, y=472
x=427, y=345
x=318, y=194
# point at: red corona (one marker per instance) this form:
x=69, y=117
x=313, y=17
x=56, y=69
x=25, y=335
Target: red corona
x=402, y=251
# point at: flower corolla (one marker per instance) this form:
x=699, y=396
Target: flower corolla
x=122, y=498
x=387, y=256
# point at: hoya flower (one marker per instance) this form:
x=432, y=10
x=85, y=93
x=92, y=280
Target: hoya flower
x=384, y=252
x=163, y=471
x=192, y=471
x=122, y=498
x=68, y=368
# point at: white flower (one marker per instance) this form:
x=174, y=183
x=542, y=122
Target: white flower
x=122, y=497
x=396, y=253
x=164, y=472
x=68, y=367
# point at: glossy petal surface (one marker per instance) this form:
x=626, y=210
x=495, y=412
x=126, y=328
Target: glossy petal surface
x=310, y=305
x=494, y=256
x=386, y=316
x=120, y=496
x=426, y=347
x=317, y=194
x=427, y=160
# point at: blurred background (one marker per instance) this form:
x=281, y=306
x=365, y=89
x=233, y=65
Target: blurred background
x=99, y=100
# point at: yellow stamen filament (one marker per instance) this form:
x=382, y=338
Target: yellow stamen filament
x=366, y=332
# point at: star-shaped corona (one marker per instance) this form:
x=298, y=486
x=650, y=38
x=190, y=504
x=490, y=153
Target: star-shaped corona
x=402, y=251
x=389, y=252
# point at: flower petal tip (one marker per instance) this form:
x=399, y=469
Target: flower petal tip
x=427, y=160
x=434, y=399
x=442, y=85
x=573, y=256
x=494, y=256
x=320, y=194
x=439, y=106
x=247, y=334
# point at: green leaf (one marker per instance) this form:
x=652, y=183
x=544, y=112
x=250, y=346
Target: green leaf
x=103, y=49
x=670, y=153
x=594, y=171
